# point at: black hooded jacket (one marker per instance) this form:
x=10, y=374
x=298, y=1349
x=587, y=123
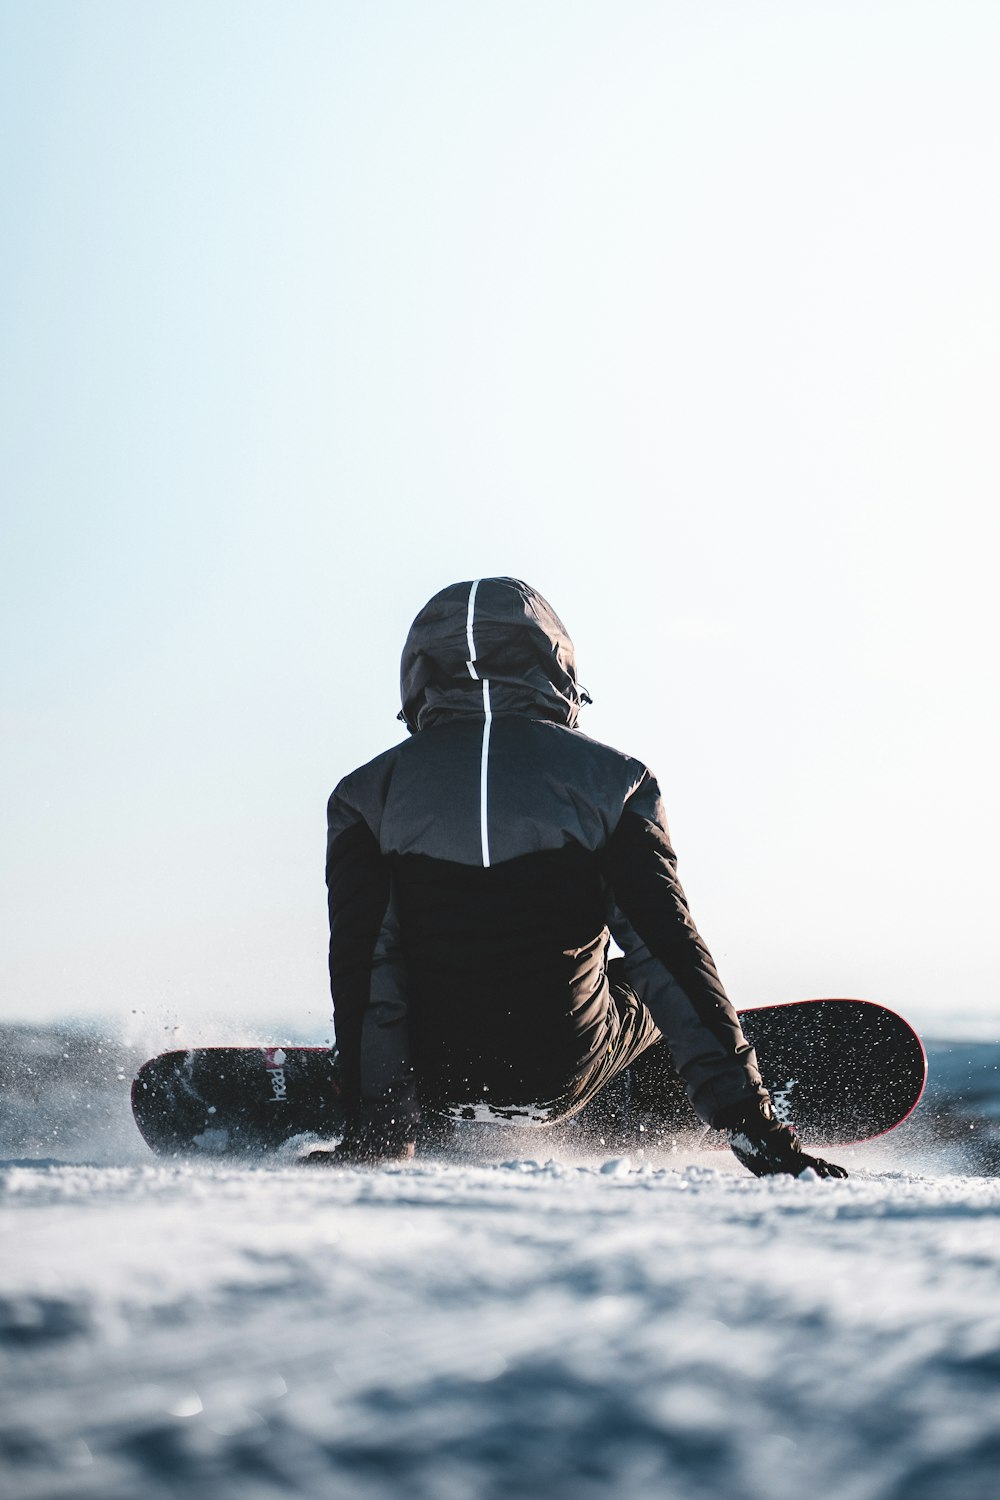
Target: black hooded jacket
x=476, y=871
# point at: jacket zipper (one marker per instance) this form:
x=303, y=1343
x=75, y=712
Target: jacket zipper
x=487, y=725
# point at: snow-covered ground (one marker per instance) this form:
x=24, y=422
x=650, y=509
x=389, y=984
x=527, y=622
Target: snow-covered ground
x=511, y=1327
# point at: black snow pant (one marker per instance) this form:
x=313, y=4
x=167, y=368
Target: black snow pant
x=631, y=1030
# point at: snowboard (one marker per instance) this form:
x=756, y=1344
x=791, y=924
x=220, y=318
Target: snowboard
x=840, y=1071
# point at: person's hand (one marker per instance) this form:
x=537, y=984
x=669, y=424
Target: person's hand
x=767, y=1148
x=363, y=1148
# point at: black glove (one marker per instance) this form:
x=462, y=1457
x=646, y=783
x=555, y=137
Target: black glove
x=353, y=1153
x=367, y=1144
x=766, y=1147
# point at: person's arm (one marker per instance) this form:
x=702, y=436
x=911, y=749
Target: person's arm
x=671, y=969
x=368, y=998
x=669, y=965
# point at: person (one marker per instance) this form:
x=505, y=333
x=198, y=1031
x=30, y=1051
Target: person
x=476, y=873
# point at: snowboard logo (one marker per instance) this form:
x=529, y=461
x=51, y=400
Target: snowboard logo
x=274, y=1062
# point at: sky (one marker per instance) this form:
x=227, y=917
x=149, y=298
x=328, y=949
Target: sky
x=686, y=312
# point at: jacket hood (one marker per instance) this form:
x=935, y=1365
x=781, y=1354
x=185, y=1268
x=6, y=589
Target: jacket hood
x=495, y=630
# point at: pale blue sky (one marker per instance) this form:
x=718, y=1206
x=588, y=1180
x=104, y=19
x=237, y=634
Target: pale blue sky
x=685, y=312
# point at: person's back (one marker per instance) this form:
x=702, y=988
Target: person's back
x=476, y=873
x=505, y=948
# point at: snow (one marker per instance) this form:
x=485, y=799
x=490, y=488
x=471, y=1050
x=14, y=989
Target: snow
x=500, y=1329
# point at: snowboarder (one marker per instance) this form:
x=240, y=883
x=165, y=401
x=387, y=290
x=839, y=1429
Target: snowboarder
x=475, y=872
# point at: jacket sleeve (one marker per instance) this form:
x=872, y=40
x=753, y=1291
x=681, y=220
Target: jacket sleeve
x=367, y=975
x=668, y=964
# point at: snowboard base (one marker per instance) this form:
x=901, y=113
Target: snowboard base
x=839, y=1071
